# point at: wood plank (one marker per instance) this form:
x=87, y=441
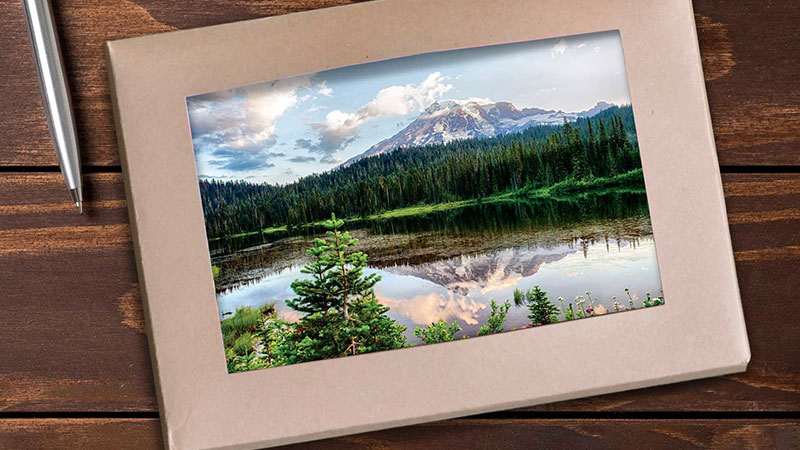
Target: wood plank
x=751, y=71
x=751, y=79
x=72, y=324
x=72, y=343
x=471, y=433
x=576, y=433
x=87, y=434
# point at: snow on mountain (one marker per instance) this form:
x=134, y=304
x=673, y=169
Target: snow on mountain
x=485, y=272
x=449, y=120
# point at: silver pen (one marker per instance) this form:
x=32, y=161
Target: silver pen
x=55, y=93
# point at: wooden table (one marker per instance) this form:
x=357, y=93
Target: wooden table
x=74, y=363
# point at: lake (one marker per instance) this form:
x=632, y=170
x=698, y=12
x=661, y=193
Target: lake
x=450, y=264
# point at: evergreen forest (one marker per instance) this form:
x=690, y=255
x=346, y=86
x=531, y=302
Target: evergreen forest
x=553, y=160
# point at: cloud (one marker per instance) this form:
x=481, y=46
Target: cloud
x=341, y=128
x=427, y=309
x=235, y=161
x=559, y=48
x=221, y=177
x=547, y=90
x=323, y=89
x=302, y=159
x=236, y=128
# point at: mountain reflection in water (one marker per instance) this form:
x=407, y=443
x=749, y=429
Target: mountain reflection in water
x=450, y=264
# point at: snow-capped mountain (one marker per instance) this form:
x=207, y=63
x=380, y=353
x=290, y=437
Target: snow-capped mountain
x=448, y=120
x=485, y=272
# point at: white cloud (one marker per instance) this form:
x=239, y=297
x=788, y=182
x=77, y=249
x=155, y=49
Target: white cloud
x=433, y=307
x=237, y=127
x=401, y=100
x=340, y=128
x=559, y=48
x=323, y=89
x=547, y=90
x=265, y=105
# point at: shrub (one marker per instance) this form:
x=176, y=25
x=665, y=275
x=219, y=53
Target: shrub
x=440, y=331
x=496, y=319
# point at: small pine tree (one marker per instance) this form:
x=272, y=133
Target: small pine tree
x=496, y=319
x=337, y=275
x=542, y=310
x=343, y=316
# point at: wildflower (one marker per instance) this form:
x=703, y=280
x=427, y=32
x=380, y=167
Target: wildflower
x=599, y=310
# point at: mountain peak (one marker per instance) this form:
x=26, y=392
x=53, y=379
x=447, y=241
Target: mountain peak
x=448, y=120
x=597, y=108
x=452, y=104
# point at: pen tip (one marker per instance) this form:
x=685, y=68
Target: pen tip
x=79, y=205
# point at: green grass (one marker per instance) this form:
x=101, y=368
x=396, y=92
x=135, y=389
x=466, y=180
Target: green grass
x=634, y=178
x=425, y=209
x=229, y=338
x=243, y=344
x=245, y=319
x=565, y=188
x=237, y=330
x=268, y=230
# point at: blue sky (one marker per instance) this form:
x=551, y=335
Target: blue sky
x=278, y=131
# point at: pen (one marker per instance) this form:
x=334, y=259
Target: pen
x=55, y=93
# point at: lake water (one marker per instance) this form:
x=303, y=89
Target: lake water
x=449, y=265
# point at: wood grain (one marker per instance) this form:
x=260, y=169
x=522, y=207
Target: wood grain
x=99, y=362
x=750, y=71
x=73, y=347
x=87, y=434
x=755, y=105
x=90, y=434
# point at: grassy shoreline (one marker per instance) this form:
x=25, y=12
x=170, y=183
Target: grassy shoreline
x=632, y=181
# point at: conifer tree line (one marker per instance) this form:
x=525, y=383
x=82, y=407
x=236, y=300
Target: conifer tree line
x=598, y=147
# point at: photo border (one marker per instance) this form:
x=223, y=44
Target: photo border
x=698, y=332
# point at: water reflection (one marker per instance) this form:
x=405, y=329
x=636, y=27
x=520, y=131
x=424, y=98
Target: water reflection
x=449, y=265
x=445, y=234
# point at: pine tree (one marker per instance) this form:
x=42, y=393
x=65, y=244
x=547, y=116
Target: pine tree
x=580, y=166
x=542, y=310
x=343, y=316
